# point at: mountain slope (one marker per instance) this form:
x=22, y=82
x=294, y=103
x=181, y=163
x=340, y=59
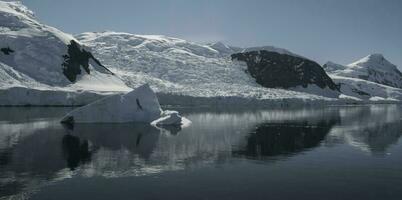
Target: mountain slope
x=181, y=68
x=367, y=90
x=44, y=53
x=374, y=68
x=44, y=66
x=367, y=79
x=35, y=56
x=41, y=65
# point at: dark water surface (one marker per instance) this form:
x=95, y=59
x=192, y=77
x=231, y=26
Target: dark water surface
x=321, y=153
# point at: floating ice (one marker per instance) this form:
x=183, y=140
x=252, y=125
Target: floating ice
x=139, y=105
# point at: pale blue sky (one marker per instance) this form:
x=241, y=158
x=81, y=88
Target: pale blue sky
x=337, y=30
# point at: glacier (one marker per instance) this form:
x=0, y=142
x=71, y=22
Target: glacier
x=187, y=73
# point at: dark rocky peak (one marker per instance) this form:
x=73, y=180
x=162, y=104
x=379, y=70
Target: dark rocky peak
x=276, y=70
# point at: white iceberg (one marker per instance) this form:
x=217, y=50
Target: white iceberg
x=139, y=105
x=168, y=117
x=170, y=122
x=171, y=117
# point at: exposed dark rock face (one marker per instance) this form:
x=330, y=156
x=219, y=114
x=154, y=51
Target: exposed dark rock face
x=76, y=58
x=274, y=70
x=6, y=50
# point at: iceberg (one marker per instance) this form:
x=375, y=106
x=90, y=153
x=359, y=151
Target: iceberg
x=139, y=105
x=168, y=118
x=171, y=118
x=170, y=122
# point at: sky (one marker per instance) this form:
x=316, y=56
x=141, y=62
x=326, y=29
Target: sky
x=341, y=31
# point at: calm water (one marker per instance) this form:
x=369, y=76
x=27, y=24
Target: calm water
x=326, y=153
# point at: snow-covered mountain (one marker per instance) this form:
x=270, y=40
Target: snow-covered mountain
x=41, y=65
x=371, y=78
x=181, y=68
x=206, y=73
x=374, y=68
x=36, y=57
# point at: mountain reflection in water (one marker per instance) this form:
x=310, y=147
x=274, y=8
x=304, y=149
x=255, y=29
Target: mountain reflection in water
x=37, y=150
x=281, y=139
x=75, y=151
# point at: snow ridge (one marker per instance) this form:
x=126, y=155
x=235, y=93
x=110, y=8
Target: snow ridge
x=271, y=49
x=374, y=68
x=375, y=61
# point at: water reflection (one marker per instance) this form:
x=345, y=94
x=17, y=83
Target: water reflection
x=75, y=151
x=38, y=151
x=46, y=152
x=273, y=139
x=137, y=139
x=371, y=129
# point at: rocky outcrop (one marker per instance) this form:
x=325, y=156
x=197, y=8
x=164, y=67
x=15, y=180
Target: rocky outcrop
x=75, y=59
x=276, y=70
